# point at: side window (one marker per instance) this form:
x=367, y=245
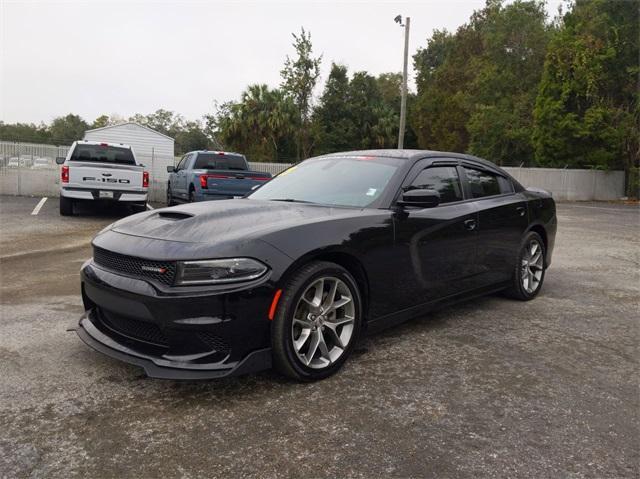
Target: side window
x=443, y=179
x=181, y=163
x=482, y=183
x=506, y=186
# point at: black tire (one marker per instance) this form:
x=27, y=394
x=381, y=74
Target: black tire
x=66, y=206
x=519, y=289
x=285, y=359
x=139, y=207
x=170, y=201
x=192, y=195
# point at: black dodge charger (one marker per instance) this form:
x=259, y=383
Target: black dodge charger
x=293, y=274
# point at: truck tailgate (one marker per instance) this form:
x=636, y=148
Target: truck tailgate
x=232, y=183
x=105, y=176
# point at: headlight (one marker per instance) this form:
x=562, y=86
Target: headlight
x=219, y=271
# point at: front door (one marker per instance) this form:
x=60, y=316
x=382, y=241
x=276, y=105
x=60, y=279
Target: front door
x=438, y=244
x=180, y=178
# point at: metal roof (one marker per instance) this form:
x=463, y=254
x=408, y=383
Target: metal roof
x=131, y=123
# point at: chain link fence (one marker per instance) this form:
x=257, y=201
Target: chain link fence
x=28, y=169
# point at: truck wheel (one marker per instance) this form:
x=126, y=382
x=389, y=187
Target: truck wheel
x=170, y=201
x=66, y=206
x=139, y=207
x=192, y=195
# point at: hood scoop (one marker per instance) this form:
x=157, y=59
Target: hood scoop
x=174, y=215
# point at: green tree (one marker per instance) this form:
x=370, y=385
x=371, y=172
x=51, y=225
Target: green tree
x=477, y=87
x=163, y=121
x=262, y=124
x=101, y=121
x=24, y=132
x=299, y=78
x=67, y=129
x=191, y=137
x=361, y=112
x=335, y=126
x=506, y=83
x=586, y=112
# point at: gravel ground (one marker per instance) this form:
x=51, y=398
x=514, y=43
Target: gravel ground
x=489, y=388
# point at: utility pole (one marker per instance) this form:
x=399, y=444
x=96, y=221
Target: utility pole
x=403, y=102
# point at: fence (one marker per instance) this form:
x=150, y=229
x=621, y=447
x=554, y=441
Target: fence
x=30, y=169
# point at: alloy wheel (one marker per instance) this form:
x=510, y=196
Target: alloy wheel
x=323, y=322
x=532, y=266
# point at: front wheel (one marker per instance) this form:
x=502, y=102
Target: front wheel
x=317, y=323
x=170, y=201
x=530, y=268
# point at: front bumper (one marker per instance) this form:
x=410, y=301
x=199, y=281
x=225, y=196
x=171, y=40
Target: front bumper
x=155, y=367
x=183, y=335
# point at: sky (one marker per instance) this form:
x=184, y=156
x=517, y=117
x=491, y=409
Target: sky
x=126, y=57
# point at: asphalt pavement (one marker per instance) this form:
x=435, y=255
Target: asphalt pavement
x=488, y=388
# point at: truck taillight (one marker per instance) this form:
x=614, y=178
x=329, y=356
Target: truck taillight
x=261, y=178
x=64, y=174
x=203, y=181
x=145, y=179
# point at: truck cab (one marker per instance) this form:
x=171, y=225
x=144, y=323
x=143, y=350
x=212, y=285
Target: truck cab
x=98, y=171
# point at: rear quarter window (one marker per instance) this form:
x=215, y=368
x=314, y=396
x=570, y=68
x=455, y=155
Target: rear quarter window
x=103, y=154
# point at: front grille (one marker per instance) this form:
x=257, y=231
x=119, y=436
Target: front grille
x=133, y=328
x=214, y=342
x=161, y=271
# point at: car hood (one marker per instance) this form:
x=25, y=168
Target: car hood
x=225, y=220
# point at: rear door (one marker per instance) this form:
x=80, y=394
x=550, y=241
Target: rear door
x=438, y=244
x=503, y=219
x=104, y=167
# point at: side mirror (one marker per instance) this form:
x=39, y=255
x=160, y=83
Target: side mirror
x=60, y=160
x=420, y=198
x=171, y=169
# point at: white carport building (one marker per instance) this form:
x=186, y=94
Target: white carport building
x=151, y=148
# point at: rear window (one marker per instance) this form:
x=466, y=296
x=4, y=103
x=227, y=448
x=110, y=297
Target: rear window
x=103, y=154
x=215, y=161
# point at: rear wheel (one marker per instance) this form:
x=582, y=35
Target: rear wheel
x=66, y=206
x=139, y=207
x=530, y=268
x=317, y=322
x=192, y=195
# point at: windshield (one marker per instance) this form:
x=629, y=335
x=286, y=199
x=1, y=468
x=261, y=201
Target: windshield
x=212, y=161
x=103, y=154
x=339, y=181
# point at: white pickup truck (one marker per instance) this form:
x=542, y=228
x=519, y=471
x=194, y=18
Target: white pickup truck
x=97, y=171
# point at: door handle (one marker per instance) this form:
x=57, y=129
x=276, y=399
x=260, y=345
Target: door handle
x=521, y=210
x=470, y=224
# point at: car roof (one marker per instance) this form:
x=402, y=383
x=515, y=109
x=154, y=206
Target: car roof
x=412, y=155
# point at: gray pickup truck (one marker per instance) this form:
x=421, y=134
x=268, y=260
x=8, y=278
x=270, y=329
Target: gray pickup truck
x=211, y=175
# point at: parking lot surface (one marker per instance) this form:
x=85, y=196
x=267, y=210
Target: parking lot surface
x=489, y=388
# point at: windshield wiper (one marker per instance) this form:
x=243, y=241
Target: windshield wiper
x=291, y=200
